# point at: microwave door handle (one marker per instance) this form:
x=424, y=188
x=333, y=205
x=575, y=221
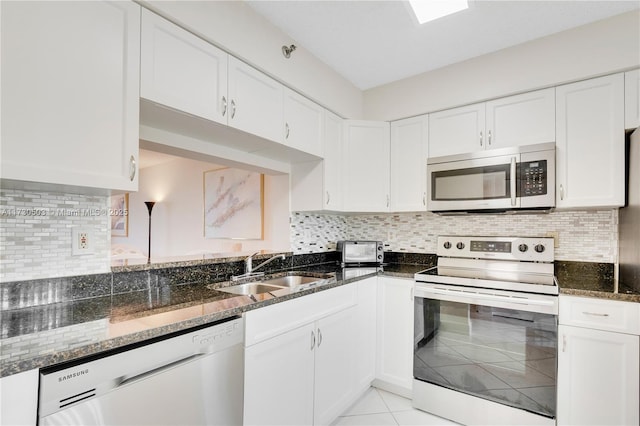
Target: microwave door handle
x=512, y=181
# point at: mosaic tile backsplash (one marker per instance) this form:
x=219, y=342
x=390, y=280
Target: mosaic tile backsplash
x=587, y=236
x=35, y=234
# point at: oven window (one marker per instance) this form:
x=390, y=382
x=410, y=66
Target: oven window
x=502, y=355
x=477, y=183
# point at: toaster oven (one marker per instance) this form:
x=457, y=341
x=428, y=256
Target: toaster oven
x=354, y=252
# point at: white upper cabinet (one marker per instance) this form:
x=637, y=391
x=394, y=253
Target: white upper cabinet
x=523, y=119
x=180, y=70
x=590, y=143
x=70, y=93
x=366, y=166
x=255, y=101
x=632, y=99
x=303, y=123
x=408, y=174
x=333, y=161
x=317, y=185
x=456, y=131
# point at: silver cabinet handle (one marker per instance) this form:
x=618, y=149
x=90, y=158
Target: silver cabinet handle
x=513, y=181
x=561, y=192
x=424, y=199
x=233, y=108
x=480, y=138
x=595, y=314
x=387, y=200
x=564, y=343
x=313, y=340
x=132, y=168
x=286, y=134
x=319, y=337
x=328, y=197
x=224, y=105
x=489, y=136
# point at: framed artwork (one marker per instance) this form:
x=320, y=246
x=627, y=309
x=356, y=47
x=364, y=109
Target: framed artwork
x=119, y=213
x=233, y=204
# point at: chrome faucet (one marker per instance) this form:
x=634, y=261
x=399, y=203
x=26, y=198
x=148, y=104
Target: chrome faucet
x=250, y=270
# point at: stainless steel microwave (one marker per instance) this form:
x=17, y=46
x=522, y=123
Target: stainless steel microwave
x=497, y=180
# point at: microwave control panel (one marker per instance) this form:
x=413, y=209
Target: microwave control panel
x=533, y=178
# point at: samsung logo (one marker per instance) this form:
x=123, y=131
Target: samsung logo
x=73, y=375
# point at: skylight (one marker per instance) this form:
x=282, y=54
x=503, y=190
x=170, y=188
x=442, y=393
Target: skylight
x=429, y=10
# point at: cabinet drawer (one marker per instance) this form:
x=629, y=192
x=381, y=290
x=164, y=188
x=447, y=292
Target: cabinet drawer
x=600, y=314
x=270, y=321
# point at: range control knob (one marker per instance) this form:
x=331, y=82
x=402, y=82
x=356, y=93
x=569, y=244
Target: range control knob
x=539, y=248
x=447, y=245
x=523, y=248
x=460, y=245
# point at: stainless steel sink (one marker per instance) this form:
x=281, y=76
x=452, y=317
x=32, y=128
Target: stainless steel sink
x=251, y=288
x=292, y=280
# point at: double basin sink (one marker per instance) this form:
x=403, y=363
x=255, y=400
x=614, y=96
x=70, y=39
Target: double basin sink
x=292, y=282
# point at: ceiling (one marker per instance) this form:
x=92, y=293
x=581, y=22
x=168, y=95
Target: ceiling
x=371, y=43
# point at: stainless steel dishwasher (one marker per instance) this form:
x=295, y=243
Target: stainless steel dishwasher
x=193, y=378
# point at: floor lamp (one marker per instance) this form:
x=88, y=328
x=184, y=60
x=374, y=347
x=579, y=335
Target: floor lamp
x=150, y=205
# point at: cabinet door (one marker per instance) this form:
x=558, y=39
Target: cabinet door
x=366, y=166
x=19, y=399
x=524, y=119
x=395, y=333
x=335, y=366
x=408, y=174
x=278, y=379
x=365, y=333
x=598, y=377
x=632, y=99
x=303, y=122
x=255, y=101
x=182, y=71
x=457, y=131
x=590, y=143
x=332, y=161
x=70, y=93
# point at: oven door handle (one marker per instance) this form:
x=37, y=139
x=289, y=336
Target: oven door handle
x=463, y=296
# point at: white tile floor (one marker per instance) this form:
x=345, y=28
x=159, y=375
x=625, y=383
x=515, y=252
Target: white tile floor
x=378, y=407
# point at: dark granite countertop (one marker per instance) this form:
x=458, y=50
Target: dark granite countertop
x=48, y=334
x=592, y=280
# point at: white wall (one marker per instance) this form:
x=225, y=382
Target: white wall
x=177, y=219
x=599, y=48
x=235, y=27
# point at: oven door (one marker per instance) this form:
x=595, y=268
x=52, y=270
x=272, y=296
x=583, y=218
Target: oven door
x=482, y=183
x=498, y=346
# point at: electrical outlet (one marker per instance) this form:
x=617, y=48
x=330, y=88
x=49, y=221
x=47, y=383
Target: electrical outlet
x=556, y=238
x=81, y=241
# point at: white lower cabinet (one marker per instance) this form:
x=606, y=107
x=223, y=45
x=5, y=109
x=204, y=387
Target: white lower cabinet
x=598, y=369
x=301, y=359
x=278, y=379
x=394, y=365
x=19, y=399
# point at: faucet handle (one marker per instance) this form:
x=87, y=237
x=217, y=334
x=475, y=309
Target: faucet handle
x=247, y=262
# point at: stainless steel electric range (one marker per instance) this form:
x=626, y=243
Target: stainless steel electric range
x=485, y=331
